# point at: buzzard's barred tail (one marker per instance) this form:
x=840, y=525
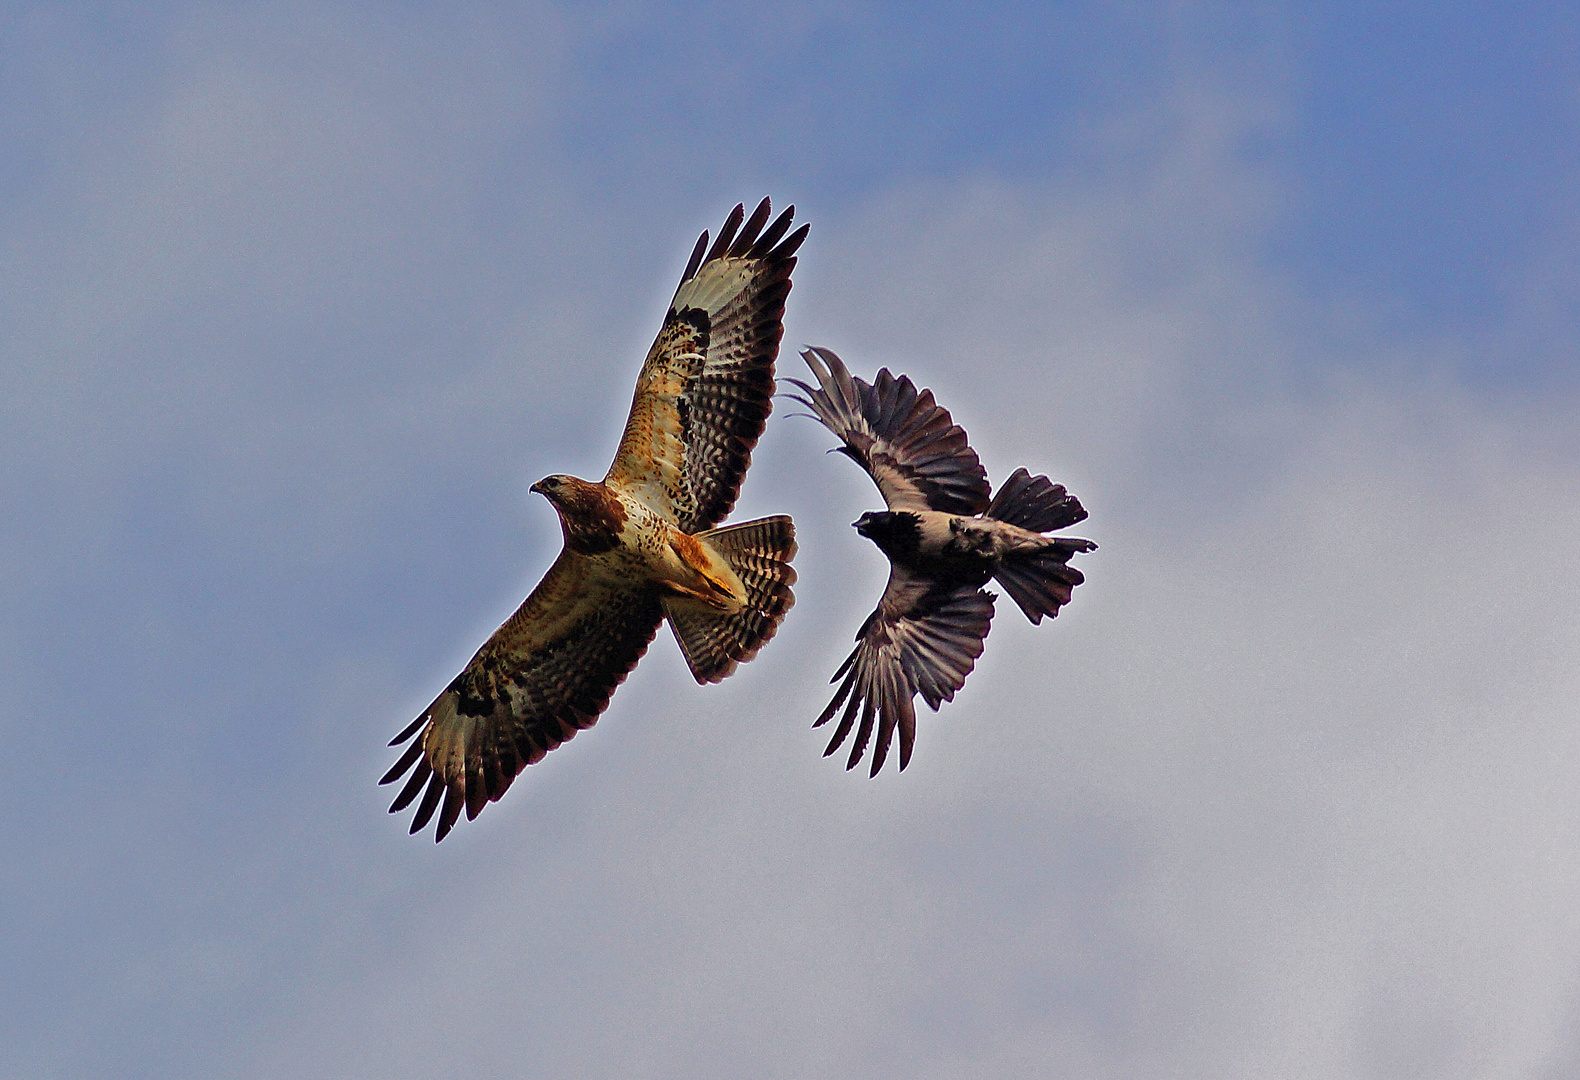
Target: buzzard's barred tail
x=759, y=552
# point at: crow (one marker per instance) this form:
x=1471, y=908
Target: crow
x=945, y=538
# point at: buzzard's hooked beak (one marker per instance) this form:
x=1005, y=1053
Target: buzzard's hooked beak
x=549, y=487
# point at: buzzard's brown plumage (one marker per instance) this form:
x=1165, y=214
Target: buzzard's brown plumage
x=640, y=546
x=945, y=538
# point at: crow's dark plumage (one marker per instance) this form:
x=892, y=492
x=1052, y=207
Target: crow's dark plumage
x=945, y=538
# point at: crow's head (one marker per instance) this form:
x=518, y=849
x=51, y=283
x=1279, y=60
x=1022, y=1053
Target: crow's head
x=897, y=533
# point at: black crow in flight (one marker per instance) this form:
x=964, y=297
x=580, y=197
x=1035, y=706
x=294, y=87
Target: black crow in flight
x=944, y=538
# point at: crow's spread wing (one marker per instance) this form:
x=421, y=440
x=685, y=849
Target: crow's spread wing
x=923, y=638
x=544, y=675
x=1035, y=503
x=916, y=454
x=707, y=387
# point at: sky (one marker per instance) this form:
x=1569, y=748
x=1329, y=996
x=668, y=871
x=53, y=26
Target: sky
x=297, y=300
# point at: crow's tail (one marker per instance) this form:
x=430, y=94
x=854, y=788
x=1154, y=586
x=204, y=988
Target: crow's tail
x=1039, y=580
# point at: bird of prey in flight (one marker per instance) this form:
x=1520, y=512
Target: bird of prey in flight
x=944, y=538
x=640, y=546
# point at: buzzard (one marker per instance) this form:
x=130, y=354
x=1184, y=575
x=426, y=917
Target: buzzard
x=640, y=546
x=944, y=538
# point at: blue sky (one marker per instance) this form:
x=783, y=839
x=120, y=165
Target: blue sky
x=296, y=300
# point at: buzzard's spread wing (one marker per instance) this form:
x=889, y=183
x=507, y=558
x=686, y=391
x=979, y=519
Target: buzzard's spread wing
x=706, y=389
x=923, y=638
x=544, y=675
x=916, y=454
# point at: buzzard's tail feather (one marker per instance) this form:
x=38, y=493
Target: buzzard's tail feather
x=759, y=552
x=1040, y=582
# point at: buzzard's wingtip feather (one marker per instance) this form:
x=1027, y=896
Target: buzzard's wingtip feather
x=430, y=802
x=454, y=802
x=413, y=787
x=765, y=243
x=746, y=241
x=409, y=730
x=398, y=769
x=721, y=246
x=792, y=245
x=695, y=261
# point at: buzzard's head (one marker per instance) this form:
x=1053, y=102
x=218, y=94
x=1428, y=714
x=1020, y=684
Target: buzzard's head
x=590, y=514
x=895, y=533
x=553, y=488
x=570, y=496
